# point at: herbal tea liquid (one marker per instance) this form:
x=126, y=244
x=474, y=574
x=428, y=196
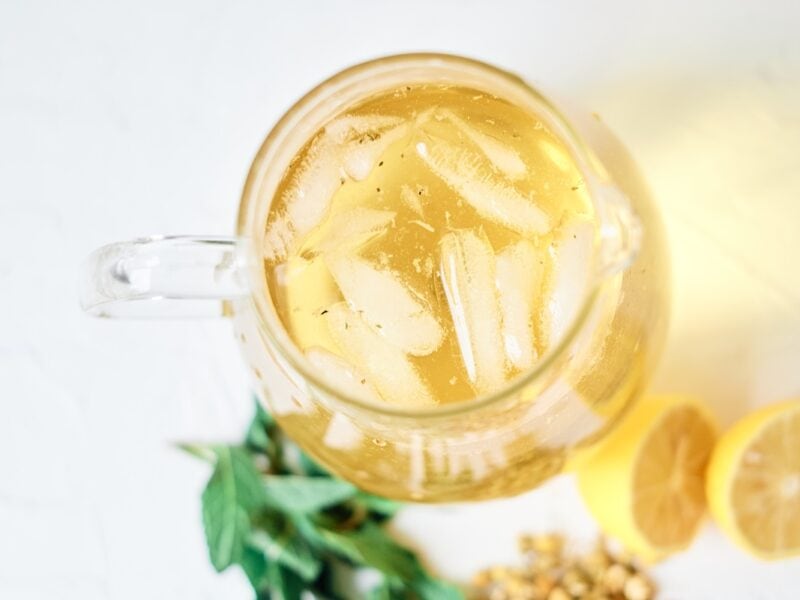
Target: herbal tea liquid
x=428, y=245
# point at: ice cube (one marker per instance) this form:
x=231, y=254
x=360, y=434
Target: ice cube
x=505, y=159
x=341, y=375
x=352, y=228
x=359, y=127
x=362, y=155
x=386, y=304
x=310, y=190
x=426, y=226
x=411, y=199
x=278, y=237
x=364, y=138
x=558, y=155
x=342, y=433
x=306, y=288
x=315, y=184
x=387, y=367
x=306, y=198
x=518, y=276
x=472, y=177
x=467, y=271
x=572, y=253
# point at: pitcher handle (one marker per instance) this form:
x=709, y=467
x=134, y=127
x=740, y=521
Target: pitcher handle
x=165, y=276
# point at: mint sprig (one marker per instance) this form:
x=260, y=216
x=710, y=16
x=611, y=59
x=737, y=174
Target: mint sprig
x=232, y=493
x=287, y=523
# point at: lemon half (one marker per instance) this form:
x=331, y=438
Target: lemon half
x=645, y=483
x=753, y=482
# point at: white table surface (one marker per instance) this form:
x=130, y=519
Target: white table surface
x=125, y=118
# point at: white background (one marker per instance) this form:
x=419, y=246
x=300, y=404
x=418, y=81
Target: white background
x=126, y=118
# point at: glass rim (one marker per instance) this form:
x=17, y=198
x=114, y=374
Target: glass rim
x=267, y=317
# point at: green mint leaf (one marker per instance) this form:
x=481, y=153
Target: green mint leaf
x=288, y=529
x=308, y=530
x=282, y=584
x=201, y=451
x=258, y=433
x=233, y=491
x=430, y=588
x=298, y=494
x=387, y=590
x=326, y=586
x=424, y=587
x=377, y=504
x=291, y=457
x=326, y=540
x=369, y=546
x=284, y=546
x=310, y=468
x=254, y=566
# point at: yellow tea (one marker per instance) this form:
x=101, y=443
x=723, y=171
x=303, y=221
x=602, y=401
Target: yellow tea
x=428, y=245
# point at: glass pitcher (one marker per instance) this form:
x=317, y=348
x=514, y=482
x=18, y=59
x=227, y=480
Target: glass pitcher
x=494, y=445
